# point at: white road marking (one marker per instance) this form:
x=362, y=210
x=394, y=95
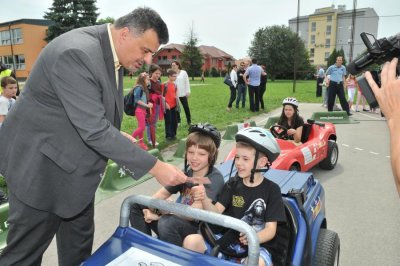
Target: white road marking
x=359, y=149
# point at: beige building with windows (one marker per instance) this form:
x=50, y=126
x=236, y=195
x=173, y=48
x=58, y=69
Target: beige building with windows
x=21, y=41
x=329, y=28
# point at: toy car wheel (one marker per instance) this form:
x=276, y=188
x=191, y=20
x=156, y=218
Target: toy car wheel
x=332, y=157
x=294, y=167
x=327, y=249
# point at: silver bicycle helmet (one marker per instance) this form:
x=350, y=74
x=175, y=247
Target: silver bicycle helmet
x=290, y=100
x=262, y=140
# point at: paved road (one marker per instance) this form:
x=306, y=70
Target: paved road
x=361, y=199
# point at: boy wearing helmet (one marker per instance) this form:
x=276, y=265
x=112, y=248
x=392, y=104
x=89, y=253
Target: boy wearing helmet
x=249, y=196
x=201, y=154
x=291, y=120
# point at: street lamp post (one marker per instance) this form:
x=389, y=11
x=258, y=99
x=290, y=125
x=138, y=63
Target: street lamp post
x=295, y=47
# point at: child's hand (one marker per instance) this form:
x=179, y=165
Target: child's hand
x=150, y=216
x=198, y=192
x=167, y=106
x=197, y=204
x=243, y=239
x=291, y=131
x=150, y=105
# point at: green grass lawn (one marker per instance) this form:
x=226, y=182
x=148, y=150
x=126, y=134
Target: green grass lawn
x=208, y=103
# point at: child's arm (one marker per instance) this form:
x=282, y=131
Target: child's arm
x=263, y=235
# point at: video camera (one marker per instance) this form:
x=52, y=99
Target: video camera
x=383, y=50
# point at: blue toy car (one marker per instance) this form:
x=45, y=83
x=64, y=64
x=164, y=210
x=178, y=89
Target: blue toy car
x=310, y=242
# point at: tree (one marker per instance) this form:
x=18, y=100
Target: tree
x=273, y=46
x=191, y=57
x=70, y=14
x=105, y=20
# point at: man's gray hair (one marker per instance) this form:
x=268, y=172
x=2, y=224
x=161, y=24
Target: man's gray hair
x=142, y=19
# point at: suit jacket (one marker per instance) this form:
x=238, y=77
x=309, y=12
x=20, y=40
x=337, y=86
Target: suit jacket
x=59, y=135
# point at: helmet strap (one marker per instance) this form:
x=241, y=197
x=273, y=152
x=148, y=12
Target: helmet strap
x=233, y=164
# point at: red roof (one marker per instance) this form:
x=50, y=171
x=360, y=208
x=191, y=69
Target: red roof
x=205, y=50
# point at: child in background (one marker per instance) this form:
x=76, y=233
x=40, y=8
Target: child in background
x=201, y=154
x=155, y=97
x=169, y=92
x=351, y=83
x=249, y=196
x=141, y=94
x=9, y=86
x=325, y=85
x=291, y=120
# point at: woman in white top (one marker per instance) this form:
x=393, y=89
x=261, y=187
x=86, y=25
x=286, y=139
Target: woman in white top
x=183, y=90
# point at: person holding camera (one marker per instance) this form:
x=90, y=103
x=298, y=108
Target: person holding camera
x=337, y=85
x=388, y=97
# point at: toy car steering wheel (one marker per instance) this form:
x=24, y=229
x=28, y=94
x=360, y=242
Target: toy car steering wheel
x=228, y=244
x=279, y=132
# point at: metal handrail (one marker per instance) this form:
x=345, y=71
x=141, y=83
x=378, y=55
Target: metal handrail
x=197, y=214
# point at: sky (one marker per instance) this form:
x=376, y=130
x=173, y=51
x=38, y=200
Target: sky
x=226, y=24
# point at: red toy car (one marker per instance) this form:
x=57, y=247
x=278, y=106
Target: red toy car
x=318, y=147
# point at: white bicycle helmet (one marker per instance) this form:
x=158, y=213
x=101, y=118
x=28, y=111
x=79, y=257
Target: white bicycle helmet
x=262, y=140
x=290, y=100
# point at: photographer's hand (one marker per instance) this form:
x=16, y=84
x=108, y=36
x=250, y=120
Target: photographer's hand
x=388, y=97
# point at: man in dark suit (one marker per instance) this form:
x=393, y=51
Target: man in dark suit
x=57, y=139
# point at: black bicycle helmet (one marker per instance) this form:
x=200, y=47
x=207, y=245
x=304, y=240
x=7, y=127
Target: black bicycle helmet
x=208, y=130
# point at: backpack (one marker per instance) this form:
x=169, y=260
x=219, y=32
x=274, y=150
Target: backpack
x=130, y=103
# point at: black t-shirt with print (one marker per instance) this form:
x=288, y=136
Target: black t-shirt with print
x=254, y=205
x=257, y=206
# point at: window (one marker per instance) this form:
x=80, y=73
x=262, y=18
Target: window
x=174, y=57
x=328, y=29
x=164, y=57
x=327, y=56
x=329, y=18
x=5, y=38
x=19, y=62
x=327, y=43
x=313, y=26
x=312, y=39
x=16, y=36
x=18, y=59
x=159, y=57
x=312, y=50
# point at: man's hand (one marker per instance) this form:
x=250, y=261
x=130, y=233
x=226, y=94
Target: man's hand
x=167, y=174
x=126, y=135
x=388, y=96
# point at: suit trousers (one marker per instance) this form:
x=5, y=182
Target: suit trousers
x=31, y=232
x=337, y=88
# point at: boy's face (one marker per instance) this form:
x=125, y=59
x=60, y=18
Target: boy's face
x=197, y=158
x=172, y=77
x=244, y=161
x=10, y=91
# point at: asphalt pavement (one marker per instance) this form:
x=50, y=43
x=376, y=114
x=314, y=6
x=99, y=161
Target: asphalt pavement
x=363, y=206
